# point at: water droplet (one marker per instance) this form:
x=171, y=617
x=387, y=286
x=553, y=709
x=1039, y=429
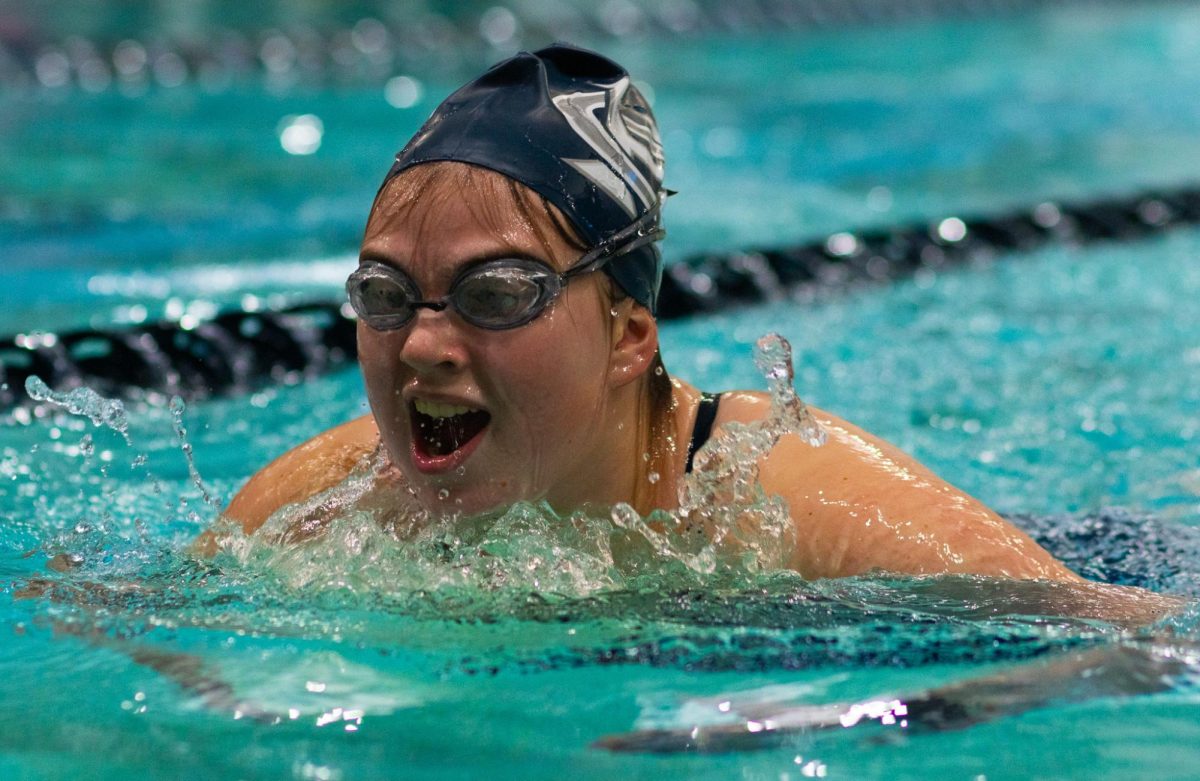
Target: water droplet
x=624, y=516
x=652, y=477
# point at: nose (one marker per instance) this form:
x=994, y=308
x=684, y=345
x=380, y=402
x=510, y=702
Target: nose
x=433, y=343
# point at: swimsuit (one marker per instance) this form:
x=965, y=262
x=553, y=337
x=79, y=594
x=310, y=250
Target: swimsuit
x=706, y=413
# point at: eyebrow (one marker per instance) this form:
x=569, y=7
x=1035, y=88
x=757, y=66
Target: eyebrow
x=474, y=260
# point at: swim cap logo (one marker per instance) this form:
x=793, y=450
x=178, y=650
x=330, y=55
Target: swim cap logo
x=619, y=128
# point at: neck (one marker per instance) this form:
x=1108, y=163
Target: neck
x=614, y=463
x=618, y=470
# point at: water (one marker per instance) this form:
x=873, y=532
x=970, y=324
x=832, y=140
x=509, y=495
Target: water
x=1057, y=387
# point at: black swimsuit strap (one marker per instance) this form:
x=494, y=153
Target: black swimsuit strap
x=706, y=414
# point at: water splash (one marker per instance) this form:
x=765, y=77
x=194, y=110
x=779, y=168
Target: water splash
x=178, y=407
x=789, y=414
x=368, y=536
x=109, y=413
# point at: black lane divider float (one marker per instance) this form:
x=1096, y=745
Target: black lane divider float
x=240, y=350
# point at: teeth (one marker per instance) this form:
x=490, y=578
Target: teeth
x=435, y=410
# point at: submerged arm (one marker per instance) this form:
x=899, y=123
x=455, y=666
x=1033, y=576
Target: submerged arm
x=1123, y=670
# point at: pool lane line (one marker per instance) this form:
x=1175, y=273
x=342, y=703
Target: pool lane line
x=238, y=351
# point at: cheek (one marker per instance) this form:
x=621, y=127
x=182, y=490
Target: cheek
x=379, y=365
x=556, y=372
x=370, y=356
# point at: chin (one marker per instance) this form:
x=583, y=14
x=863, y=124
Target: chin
x=481, y=489
x=466, y=499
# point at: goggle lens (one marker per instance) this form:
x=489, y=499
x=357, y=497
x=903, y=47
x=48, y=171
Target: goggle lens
x=496, y=295
x=383, y=301
x=503, y=296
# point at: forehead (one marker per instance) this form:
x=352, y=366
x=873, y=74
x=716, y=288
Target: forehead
x=450, y=213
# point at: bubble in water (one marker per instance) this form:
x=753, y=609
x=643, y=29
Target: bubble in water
x=652, y=477
x=86, y=446
x=443, y=494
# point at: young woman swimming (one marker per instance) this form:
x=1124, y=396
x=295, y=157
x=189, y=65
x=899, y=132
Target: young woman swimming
x=505, y=296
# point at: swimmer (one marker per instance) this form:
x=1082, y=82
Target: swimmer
x=506, y=294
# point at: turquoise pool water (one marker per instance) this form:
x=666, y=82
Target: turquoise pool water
x=1052, y=386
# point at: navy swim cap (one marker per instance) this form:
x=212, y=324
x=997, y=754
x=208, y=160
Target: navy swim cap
x=568, y=124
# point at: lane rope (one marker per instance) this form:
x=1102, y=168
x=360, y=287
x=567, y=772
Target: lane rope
x=239, y=351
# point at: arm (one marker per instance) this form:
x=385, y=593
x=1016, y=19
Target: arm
x=305, y=470
x=860, y=504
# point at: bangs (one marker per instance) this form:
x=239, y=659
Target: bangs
x=504, y=207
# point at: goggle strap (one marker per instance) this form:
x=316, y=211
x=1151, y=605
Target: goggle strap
x=618, y=244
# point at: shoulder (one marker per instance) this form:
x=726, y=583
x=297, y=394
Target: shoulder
x=303, y=471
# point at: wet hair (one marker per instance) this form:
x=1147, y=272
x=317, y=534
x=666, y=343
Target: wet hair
x=435, y=183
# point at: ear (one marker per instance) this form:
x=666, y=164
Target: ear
x=635, y=342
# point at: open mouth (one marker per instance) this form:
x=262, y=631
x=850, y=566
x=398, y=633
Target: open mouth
x=441, y=429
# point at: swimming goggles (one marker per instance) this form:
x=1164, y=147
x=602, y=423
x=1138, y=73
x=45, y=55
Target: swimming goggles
x=495, y=295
